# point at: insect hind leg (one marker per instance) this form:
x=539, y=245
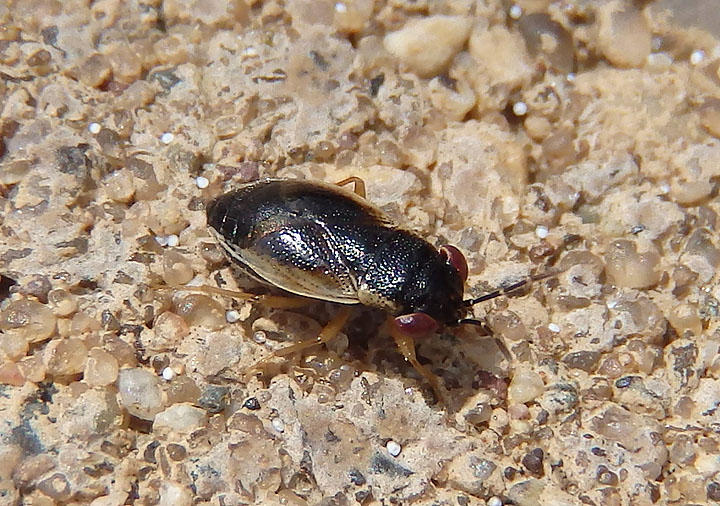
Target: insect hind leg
x=358, y=184
x=328, y=333
x=271, y=301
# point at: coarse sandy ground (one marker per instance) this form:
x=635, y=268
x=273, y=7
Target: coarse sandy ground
x=577, y=135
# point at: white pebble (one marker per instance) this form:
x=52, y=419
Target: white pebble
x=167, y=138
x=665, y=188
x=140, y=392
x=494, y=501
x=515, y=11
x=697, y=56
x=659, y=60
x=168, y=373
x=173, y=240
x=259, y=337
x=162, y=240
x=278, y=425
x=525, y=386
x=94, y=128
x=393, y=448
x=250, y=51
x=181, y=417
x=570, y=77
x=541, y=231
x=232, y=316
x=520, y=108
x=202, y=182
x=340, y=7
x=554, y=327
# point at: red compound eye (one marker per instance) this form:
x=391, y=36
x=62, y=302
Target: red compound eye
x=416, y=324
x=453, y=256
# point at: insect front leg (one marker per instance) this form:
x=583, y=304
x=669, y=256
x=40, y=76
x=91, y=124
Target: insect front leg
x=406, y=345
x=328, y=333
x=358, y=185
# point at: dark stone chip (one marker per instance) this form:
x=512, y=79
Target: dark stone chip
x=375, y=84
x=252, y=404
x=356, y=477
x=72, y=160
x=214, y=399
x=533, y=461
x=381, y=464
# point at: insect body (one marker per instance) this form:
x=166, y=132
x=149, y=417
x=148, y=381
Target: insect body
x=325, y=242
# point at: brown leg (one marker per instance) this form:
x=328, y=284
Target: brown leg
x=359, y=184
x=271, y=301
x=328, y=333
x=406, y=345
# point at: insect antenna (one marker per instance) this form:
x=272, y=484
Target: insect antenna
x=508, y=289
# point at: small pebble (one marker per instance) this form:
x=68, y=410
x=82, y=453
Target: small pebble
x=11, y=374
x=520, y=108
x=697, y=56
x=278, y=425
x=177, y=269
x=140, y=393
x=541, y=232
x=232, y=316
x=554, y=327
x=515, y=11
x=624, y=34
x=340, y=7
x=182, y=417
x=65, y=357
x=533, y=461
x=162, y=240
x=426, y=45
x=202, y=182
x=201, y=310
x=214, y=398
x=628, y=268
x=525, y=386
x=94, y=128
x=495, y=501
x=167, y=138
x=101, y=368
x=393, y=448
x=570, y=77
x=173, y=240
x=259, y=337
x=168, y=373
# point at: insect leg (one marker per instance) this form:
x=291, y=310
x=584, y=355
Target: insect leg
x=271, y=301
x=406, y=345
x=359, y=184
x=328, y=333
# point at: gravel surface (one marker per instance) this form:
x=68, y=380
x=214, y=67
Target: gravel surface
x=581, y=136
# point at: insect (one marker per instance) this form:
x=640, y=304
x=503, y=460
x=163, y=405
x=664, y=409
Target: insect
x=326, y=242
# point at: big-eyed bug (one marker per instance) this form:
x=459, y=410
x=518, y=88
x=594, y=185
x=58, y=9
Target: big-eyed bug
x=326, y=242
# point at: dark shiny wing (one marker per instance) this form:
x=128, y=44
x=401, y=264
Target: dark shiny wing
x=297, y=257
